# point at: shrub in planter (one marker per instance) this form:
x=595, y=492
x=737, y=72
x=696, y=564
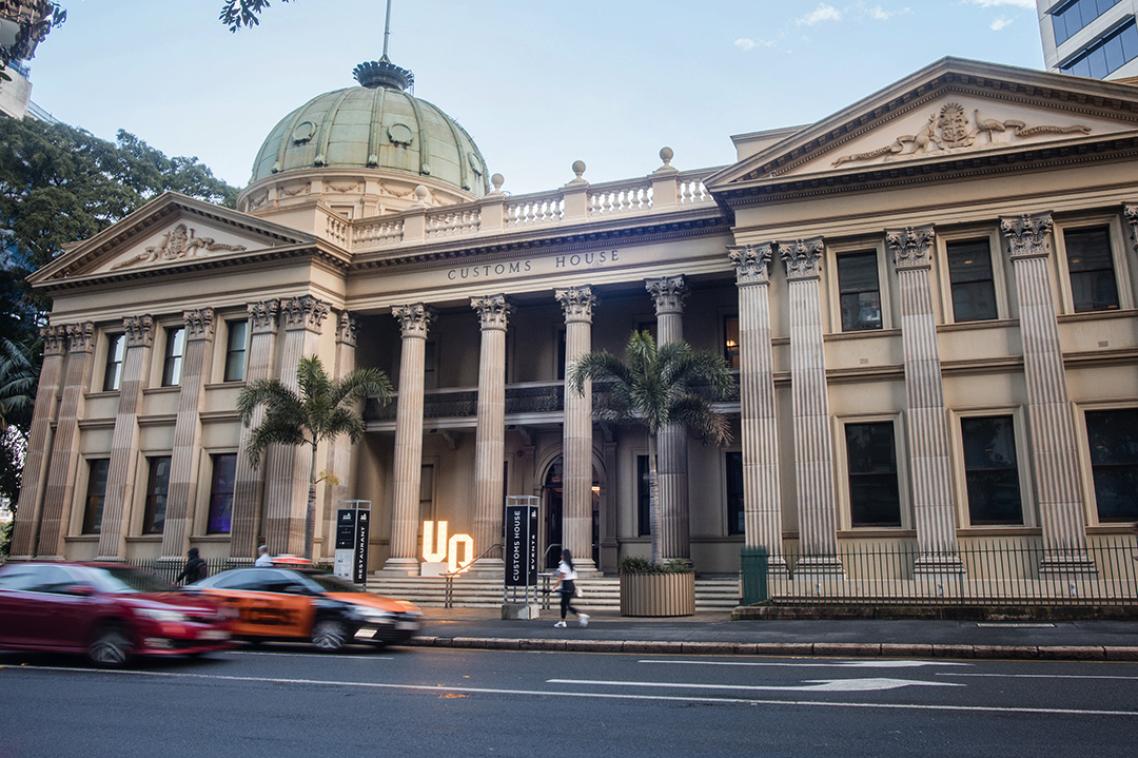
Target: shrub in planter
x=656, y=589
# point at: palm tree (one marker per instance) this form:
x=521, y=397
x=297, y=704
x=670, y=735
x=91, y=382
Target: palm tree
x=321, y=409
x=17, y=385
x=656, y=387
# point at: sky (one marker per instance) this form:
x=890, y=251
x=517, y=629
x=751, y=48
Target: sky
x=537, y=83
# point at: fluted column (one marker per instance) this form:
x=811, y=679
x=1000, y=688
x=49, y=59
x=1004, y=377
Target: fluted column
x=341, y=451
x=414, y=322
x=669, y=293
x=762, y=502
x=249, y=480
x=577, y=442
x=490, y=435
x=34, y=476
x=1054, y=453
x=182, y=493
x=813, y=446
x=934, y=512
x=60, y=491
x=139, y=335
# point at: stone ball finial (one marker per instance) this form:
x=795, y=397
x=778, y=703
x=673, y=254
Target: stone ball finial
x=579, y=169
x=497, y=180
x=666, y=155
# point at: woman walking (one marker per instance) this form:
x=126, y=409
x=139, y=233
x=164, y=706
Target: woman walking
x=567, y=585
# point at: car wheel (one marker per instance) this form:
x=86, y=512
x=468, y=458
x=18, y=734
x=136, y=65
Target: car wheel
x=328, y=635
x=110, y=648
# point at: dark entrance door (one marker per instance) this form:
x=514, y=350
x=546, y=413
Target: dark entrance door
x=553, y=511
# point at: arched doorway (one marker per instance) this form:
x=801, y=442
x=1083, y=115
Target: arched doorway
x=552, y=509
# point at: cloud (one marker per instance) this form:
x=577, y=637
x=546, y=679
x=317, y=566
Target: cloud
x=745, y=43
x=824, y=12
x=1025, y=4
x=1001, y=23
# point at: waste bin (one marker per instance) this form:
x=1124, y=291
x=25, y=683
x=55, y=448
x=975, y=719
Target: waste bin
x=756, y=564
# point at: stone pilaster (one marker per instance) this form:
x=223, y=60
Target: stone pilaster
x=930, y=466
x=813, y=445
x=249, y=480
x=60, y=491
x=139, y=335
x=1054, y=454
x=34, y=476
x=577, y=442
x=287, y=466
x=762, y=502
x=182, y=493
x=1130, y=218
x=669, y=293
x=341, y=452
x=490, y=434
x=414, y=322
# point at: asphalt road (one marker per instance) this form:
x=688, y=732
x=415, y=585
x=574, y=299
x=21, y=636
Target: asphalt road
x=289, y=701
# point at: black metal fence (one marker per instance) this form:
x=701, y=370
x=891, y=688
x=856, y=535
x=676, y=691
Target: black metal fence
x=169, y=570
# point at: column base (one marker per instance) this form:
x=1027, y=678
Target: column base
x=777, y=567
x=14, y=558
x=1069, y=564
x=829, y=566
x=401, y=567
x=586, y=568
x=942, y=564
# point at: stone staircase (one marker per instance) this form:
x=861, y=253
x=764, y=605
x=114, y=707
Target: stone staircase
x=599, y=594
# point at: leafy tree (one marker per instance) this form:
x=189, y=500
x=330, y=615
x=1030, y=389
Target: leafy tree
x=320, y=409
x=237, y=13
x=654, y=387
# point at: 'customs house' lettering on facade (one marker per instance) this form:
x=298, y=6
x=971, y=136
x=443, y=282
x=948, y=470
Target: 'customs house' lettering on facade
x=528, y=265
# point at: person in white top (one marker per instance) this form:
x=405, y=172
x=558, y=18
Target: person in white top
x=263, y=557
x=567, y=586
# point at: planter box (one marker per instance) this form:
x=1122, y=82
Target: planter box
x=657, y=594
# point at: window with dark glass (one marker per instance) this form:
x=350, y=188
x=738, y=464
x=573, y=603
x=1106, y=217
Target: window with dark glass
x=175, y=347
x=860, y=291
x=236, y=347
x=427, y=492
x=643, y=497
x=970, y=274
x=157, y=487
x=734, y=462
x=1113, y=437
x=430, y=365
x=1071, y=18
x=731, y=341
x=875, y=497
x=1106, y=55
x=560, y=353
x=112, y=373
x=96, y=495
x=991, y=470
x=1091, y=265
x=221, y=488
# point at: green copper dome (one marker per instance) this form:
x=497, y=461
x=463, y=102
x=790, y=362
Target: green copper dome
x=374, y=126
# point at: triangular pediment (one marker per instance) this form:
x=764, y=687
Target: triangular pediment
x=953, y=108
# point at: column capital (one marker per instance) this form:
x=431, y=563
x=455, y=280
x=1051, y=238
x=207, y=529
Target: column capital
x=1028, y=236
x=139, y=330
x=752, y=263
x=1130, y=216
x=346, y=326
x=802, y=258
x=912, y=247
x=576, y=303
x=493, y=311
x=669, y=292
x=199, y=324
x=304, y=312
x=414, y=320
x=54, y=339
x=81, y=337
x=263, y=315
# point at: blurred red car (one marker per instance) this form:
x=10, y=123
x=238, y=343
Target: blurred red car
x=108, y=612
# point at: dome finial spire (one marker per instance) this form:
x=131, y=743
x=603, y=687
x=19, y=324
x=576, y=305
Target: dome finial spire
x=384, y=73
x=386, y=30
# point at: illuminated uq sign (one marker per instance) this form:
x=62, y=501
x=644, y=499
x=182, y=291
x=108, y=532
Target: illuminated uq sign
x=437, y=548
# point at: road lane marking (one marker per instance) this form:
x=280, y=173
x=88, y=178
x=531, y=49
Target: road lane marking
x=882, y=664
x=360, y=657
x=1044, y=676
x=1014, y=625
x=874, y=684
x=594, y=695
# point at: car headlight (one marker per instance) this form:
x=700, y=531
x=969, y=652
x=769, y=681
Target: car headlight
x=159, y=614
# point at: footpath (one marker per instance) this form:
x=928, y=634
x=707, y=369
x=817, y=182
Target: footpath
x=717, y=634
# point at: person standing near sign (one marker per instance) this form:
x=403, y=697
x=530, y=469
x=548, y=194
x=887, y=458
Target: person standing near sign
x=567, y=586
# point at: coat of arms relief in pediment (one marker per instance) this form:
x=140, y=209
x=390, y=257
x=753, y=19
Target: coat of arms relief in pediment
x=179, y=243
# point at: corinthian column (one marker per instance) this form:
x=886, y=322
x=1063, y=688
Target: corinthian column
x=183, y=490
x=669, y=293
x=341, y=451
x=34, y=475
x=577, y=444
x=933, y=509
x=762, y=505
x=1054, y=455
x=490, y=435
x=60, y=491
x=249, y=480
x=139, y=335
x=813, y=446
x=414, y=321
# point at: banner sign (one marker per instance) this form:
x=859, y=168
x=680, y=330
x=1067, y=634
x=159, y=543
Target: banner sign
x=521, y=546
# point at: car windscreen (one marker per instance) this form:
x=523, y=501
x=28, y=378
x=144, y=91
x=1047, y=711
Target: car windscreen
x=332, y=583
x=127, y=581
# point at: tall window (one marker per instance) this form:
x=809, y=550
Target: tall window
x=860, y=291
x=561, y=353
x=157, y=487
x=1113, y=439
x=430, y=365
x=1106, y=55
x=731, y=341
x=734, y=462
x=221, y=487
x=96, y=495
x=1076, y=15
x=970, y=273
x=875, y=498
x=643, y=497
x=427, y=493
x=112, y=373
x=236, y=346
x=1089, y=260
x=991, y=470
x=172, y=366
